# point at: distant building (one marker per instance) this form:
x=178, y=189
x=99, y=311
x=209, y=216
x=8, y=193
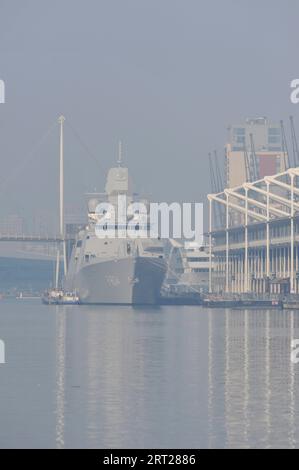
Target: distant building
x=270, y=155
x=188, y=267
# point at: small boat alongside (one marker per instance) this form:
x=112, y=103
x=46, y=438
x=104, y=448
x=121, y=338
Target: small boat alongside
x=238, y=301
x=59, y=297
x=221, y=301
x=52, y=296
x=261, y=303
x=69, y=298
x=291, y=302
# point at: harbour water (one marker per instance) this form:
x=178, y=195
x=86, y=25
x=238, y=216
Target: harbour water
x=165, y=377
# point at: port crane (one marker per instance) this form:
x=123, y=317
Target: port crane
x=284, y=146
x=294, y=143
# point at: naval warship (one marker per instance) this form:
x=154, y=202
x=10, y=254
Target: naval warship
x=115, y=270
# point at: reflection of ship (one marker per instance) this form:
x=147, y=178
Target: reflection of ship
x=116, y=269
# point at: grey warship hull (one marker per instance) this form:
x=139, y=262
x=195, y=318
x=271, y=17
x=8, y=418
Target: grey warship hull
x=127, y=280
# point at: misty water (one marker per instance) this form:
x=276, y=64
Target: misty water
x=165, y=377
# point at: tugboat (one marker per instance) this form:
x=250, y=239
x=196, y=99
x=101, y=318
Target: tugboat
x=58, y=297
x=52, y=296
x=69, y=298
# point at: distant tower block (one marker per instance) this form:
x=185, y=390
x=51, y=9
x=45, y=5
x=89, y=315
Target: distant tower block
x=269, y=157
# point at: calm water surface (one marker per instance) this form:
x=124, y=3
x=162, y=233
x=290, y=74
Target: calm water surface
x=78, y=376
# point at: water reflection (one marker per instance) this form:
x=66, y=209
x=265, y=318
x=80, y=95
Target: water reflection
x=256, y=381
x=60, y=318
x=175, y=377
x=122, y=356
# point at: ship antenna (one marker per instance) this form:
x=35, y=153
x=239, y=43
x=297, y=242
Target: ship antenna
x=119, y=161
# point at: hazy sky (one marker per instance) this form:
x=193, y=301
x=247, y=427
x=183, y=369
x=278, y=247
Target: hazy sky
x=164, y=76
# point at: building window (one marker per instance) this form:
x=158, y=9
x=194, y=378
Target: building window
x=239, y=135
x=273, y=139
x=239, y=130
x=274, y=131
x=274, y=135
